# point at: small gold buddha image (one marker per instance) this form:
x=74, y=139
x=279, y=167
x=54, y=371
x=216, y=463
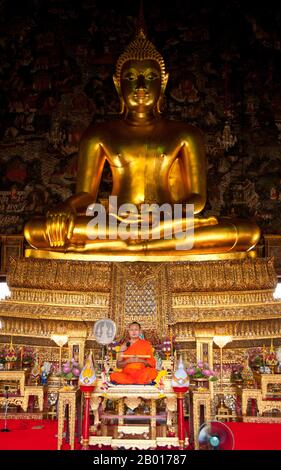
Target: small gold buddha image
x=153, y=160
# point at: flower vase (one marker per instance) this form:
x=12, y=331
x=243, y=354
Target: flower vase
x=71, y=383
x=26, y=366
x=201, y=383
x=74, y=381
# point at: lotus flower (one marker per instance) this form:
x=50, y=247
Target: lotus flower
x=201, y=370
x=76, y=372
x=66, y=368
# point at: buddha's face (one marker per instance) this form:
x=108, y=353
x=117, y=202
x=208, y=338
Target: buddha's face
x=141, y=85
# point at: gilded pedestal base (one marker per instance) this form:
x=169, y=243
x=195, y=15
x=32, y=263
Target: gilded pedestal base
x=151, y=257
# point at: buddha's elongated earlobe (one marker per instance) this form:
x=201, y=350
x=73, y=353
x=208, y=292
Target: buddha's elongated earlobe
x=122, y=106
x=161, y=103
x=164, y=83
x=118, y=89
x=117, y=84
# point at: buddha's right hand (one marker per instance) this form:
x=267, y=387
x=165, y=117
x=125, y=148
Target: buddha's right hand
x=60, y=225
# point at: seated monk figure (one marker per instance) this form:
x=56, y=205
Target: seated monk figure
x=154, y=162
x=136, y=360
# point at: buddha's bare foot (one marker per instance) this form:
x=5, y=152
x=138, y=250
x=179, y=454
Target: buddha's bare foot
x=79, y=247
x=137, y=246
x=105, y=246
x=206, y=221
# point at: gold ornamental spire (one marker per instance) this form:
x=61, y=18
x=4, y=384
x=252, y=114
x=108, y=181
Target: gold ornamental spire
x=141, y=20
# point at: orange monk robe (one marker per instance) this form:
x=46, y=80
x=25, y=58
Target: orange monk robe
x=137, y=372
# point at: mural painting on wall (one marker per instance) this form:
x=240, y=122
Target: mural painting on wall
x=56, y=77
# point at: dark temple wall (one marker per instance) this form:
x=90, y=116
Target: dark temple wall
x=56, y=63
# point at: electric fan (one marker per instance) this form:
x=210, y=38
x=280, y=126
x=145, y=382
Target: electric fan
x=215, y=436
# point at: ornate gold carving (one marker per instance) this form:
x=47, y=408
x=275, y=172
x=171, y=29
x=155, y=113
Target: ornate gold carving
x=267, y=379
x=90, y=299
x=120, y=410
x=215, y=299
x=141, y=294
x=17, y=401
x=273, y=248
x=210, y=276
x=251, y=312
x=17, y=309
x=261, y=419
x=15, y=376
x=67, y=398
x=59, y=275
x=246, y=329
x=55, y=297
x=11, y=246
x=262, y=405
x=25, y=391
x=33, y=390
x=227, y=275
x=22, y=415
x=198, y=399
x=42, y=328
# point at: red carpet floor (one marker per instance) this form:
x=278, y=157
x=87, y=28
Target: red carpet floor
x=41, y=435
x=256, y=436
x=29, y=434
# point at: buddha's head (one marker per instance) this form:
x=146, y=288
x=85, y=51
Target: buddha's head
x=140, y=77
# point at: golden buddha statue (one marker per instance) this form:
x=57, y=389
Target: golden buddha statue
x=153, y=161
